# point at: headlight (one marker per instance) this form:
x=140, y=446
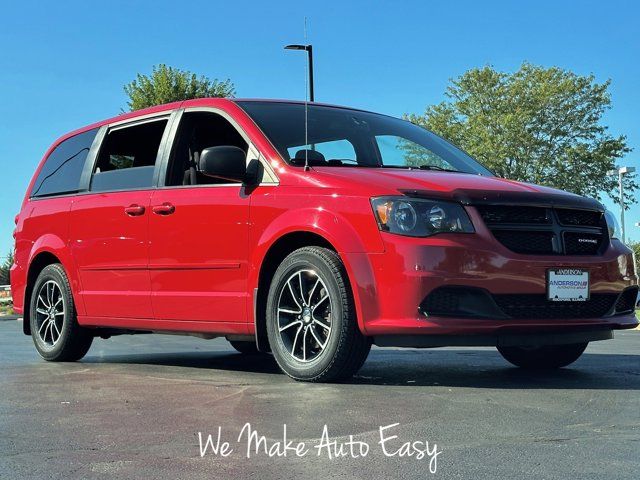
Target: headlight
x=612, y=224
x=420, y=218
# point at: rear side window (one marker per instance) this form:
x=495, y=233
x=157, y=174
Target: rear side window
x=62, y=170
x=127, y=157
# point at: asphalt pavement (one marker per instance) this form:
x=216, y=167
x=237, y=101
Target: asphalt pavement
x=135, y=406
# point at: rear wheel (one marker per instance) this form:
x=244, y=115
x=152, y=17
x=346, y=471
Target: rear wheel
x=54, y=328
x=311, y=321
x=544, y=357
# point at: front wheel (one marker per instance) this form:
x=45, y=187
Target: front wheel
x=311, y=321
x=52, y=316
x=544, y=357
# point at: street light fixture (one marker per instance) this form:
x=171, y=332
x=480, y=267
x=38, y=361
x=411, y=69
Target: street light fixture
x=622, y=171
x=309, y=50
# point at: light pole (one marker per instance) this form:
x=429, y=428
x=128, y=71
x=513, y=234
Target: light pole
x=309, y=50
x=621, y=172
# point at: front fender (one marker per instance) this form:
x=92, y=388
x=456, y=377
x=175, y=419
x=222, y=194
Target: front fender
x=333, y=227
x=338, y=230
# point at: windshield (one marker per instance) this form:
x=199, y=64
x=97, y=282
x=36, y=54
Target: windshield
x=338, y=137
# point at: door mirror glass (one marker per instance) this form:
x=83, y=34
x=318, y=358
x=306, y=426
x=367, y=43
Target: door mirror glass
x=224, y=162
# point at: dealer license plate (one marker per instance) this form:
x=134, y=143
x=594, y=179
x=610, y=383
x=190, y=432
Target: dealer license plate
x=567, y=285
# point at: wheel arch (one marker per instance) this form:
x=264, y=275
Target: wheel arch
x=275, y=254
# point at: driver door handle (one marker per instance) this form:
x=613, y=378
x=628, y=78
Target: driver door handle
x=165, y=209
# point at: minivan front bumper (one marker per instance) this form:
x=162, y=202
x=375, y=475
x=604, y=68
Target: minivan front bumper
x=391, y=286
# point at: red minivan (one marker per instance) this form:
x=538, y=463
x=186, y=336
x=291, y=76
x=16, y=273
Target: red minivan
x=312, y=232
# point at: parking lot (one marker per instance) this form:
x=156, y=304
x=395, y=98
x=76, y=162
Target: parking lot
x=134, y=406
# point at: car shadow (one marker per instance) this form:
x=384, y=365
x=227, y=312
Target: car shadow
x=470, y=368
x=212, y=360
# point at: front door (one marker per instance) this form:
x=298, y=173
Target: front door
x=198, y=253
x=199, y=231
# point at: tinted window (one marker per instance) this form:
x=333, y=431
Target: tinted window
x=62, y=170
x=197, y=131
x=378, y=140
x=127, y=157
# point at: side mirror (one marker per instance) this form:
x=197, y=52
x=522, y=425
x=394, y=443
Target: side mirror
x=225, y=162
x=254, y=173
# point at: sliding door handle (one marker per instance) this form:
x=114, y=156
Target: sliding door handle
x=165, y=209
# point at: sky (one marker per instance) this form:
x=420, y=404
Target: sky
x=63, y=64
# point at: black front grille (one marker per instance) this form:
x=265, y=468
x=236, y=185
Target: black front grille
x=537, y=243
x=546, y=230
x=514, y=214
x=537, y=306
x=581, y=218
x=582, y=243
x=471, y=302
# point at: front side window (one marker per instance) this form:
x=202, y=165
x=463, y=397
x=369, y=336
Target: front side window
x=197, y=131
x=127, y=157
x=62, y=170
x=378, y=140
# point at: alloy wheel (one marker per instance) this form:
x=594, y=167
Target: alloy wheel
x=50, y=313
x=304, y=315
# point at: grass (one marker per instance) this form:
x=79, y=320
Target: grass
x=6, y=309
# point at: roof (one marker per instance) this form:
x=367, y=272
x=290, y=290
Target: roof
x=207, y=101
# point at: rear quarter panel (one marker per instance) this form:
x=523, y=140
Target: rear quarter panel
x=43, y=227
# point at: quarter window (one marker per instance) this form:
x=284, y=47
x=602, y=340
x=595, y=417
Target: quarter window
x=63, y=168
x=128, y=156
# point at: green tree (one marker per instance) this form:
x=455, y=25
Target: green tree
x=635, y=246
x=538, y=125
x=167, y=84
x=4, y=269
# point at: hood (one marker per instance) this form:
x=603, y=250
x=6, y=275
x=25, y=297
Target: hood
x=468, y=189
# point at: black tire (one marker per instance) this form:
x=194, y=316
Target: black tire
x=72, y=341
x=544, y=357
x=335, y=353
x=248, y=348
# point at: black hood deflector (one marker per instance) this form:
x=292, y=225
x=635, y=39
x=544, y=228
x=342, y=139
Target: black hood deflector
x=502, y=197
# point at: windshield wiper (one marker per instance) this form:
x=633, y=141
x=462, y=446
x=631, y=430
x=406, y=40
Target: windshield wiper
x=436, y=167
x=421, y=167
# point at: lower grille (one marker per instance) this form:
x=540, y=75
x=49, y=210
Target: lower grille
x=460, y=301
x=627, y=301
x=537, y=306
